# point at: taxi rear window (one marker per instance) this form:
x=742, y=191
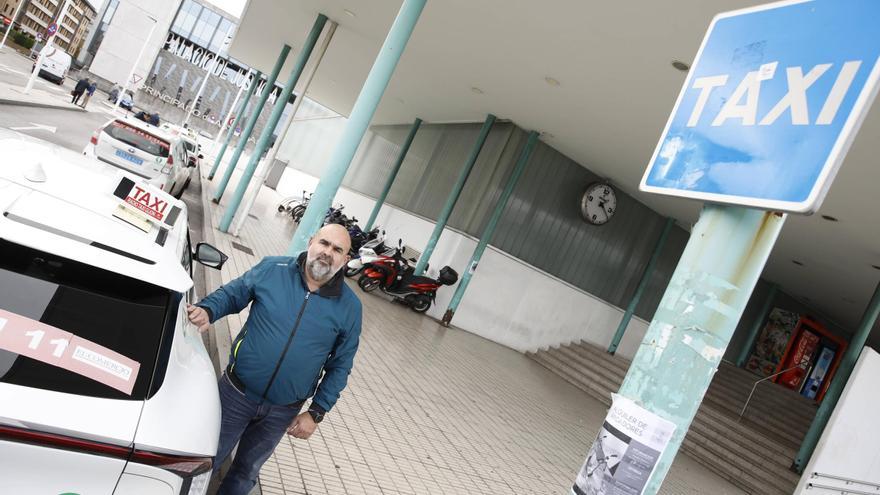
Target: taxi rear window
x=138, y=138
x=120, y=313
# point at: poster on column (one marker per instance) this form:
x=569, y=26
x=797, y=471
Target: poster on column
x=625, y=452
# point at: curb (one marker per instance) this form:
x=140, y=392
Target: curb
x=20, y=103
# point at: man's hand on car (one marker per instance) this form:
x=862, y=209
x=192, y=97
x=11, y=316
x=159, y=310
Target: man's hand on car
x=198, y=317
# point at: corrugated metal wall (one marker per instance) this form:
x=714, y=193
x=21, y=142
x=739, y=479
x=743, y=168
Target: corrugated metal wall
x=541, y=224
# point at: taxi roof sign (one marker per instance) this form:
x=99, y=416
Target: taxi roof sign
x=146, y=203
x=771, y=105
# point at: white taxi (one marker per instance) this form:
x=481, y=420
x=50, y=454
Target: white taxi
x=144, y=150
x=105, y=386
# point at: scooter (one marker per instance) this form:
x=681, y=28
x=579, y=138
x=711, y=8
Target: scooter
x=395, y=277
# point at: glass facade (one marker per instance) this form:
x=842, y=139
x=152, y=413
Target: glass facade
x=186, y=18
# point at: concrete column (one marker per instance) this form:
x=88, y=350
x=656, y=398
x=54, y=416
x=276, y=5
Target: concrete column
x=238, y=116
x=252, y=121
x=266, y=135
x=360, y=117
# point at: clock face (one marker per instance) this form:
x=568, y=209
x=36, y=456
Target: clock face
x=598, y=204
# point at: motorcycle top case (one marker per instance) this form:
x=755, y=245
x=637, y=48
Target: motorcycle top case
x=448, y=276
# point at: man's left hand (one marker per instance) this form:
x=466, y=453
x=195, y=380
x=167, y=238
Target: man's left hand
x=303, y=426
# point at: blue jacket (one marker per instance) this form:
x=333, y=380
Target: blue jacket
x=291, y=335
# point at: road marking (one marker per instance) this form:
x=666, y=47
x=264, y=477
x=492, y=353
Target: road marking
x=36, y=127
x=8, y=69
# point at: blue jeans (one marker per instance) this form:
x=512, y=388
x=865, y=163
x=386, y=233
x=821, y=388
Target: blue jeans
x=256, y=427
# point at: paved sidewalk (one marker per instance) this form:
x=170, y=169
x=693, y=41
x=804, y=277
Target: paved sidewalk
x=429, y=410
x=38, y=97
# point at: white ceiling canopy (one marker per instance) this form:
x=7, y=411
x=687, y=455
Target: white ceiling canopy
x=598, y=79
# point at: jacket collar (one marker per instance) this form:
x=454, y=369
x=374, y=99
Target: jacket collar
x=331, y=288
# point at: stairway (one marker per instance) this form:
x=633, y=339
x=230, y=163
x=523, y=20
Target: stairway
x=753, y=452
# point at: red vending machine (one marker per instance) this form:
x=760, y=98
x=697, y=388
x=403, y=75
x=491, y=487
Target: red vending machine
x=803, y=354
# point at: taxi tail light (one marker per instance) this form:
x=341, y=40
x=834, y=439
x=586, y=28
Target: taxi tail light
x=195, y=471
x=94, y=139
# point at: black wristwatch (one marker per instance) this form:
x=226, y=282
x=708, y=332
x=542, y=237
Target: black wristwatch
x=317, y=416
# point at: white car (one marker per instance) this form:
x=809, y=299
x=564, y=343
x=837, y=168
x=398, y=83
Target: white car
x=145, y=150
x=105, y=386
x=191, y=145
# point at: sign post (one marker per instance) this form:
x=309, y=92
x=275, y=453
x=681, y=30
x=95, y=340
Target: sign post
x=768, y=111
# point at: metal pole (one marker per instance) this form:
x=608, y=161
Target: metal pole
x=490, y=227
x=757, y=325
x=229, y=114
x=699, y=311
x=637, y=296
x=33, y=78
x=267, y=163
x=134, y=66
x=208, y=71
x=11, y=23
x=453, y=196
x=403, y=151
x=269, y=128
x=238, y=116
x=252, y=121
x=841, y=377
x=360, y=117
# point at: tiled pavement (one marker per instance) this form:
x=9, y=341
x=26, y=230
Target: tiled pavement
x=431, y=410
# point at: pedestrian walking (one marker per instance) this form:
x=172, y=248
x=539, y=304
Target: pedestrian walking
x=88, y=94
x=79, y=89
x=299, y=342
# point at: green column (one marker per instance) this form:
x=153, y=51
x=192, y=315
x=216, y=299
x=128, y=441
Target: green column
x=361, y=114
x=269, y=128
x=252, y=121
x=393, y=175
x=756, y=327
x=490, y=227
x=637, y=296
x=238, y=116
x=699, y=311
x=841, y=377
x=453, y=196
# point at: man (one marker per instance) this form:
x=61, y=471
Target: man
x=78, y=90
x=114, y=92
x=299, y=341
x=89, y=92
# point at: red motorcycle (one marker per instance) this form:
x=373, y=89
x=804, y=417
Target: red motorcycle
x=394, y=275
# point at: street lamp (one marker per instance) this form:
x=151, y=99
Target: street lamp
x=134, y=66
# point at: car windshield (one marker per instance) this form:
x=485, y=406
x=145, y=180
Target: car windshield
x=190, y=147
x=138, y=138
x=104, y=309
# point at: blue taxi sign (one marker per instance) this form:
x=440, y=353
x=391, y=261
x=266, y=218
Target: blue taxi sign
x=771, y=105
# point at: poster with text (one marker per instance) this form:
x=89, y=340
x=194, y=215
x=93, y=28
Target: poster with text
x=625, y=452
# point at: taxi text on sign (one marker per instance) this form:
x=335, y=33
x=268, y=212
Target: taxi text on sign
x=771, y=105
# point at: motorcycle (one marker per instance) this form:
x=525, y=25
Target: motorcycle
x=394, y=275
x=370, y=251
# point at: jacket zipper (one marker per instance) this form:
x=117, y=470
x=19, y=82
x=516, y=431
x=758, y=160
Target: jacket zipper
x=287, y=346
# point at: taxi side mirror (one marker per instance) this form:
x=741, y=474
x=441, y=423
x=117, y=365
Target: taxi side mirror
x=209, y=256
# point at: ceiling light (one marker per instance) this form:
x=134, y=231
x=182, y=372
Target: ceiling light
x=678, y=64
x=349, y=13
x=829, y=218
x=476, y=90
x=796, y=262
x=551, y=81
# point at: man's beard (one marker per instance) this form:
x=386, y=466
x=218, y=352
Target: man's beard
x=320, y=269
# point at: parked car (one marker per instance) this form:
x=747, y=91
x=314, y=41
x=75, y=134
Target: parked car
x=143, y=149
x=55, y=65
x=105, y=386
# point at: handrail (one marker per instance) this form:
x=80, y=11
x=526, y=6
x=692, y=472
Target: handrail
x=842, y=491
x=817, y=474
x=746, y=405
